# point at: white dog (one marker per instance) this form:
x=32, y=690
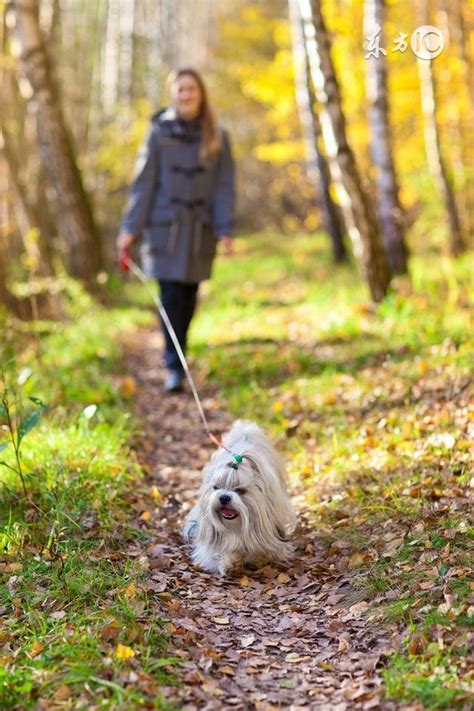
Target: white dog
x=243, y=513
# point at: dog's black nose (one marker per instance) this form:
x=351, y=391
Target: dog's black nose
x=224, y=499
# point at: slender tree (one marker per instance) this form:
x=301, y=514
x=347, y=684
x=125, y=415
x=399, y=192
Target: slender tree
x=74, y=213
x=13, y=145
x=358, y=209
x=435, y=158
x=388, y=202
x=316, y=164
x=7, y=299
x=26, y=218
x=434, y=155
x=463, y=118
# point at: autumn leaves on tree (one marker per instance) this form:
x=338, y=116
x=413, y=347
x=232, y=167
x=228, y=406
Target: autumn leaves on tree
x=289, y=80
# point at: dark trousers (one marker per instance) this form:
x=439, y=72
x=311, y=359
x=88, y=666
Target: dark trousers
x=179, y=300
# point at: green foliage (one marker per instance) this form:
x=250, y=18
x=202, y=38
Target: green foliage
x=370, y=406
x=69, y=595
x=433, y=682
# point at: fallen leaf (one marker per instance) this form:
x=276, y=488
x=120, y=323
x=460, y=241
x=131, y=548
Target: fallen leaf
x=155, y=493
x=128, y=386
x=36, y=648
x=131, y=590
x=62, y=693
x=226, y=670
x=123, y=652
x=247, y=640
x=359, y=607
x=220, y=620
x=58, y=615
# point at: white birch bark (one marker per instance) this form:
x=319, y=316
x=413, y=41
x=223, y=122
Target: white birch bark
x=358, y=209
x=388, y=203
x=316, y=165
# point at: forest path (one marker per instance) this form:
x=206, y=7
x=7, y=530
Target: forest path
x=298, y=638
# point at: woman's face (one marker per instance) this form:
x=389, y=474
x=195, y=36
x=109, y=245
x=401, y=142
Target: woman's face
x=186, y=96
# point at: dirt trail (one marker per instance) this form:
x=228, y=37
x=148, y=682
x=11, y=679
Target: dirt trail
x=273, y=639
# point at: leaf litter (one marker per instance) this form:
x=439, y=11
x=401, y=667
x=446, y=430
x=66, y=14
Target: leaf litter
x=297, y=638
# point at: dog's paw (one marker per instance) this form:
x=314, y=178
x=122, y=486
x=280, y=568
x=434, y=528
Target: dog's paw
x=230, y=566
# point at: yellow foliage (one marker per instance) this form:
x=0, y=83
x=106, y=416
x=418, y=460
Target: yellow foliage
x=279, y=152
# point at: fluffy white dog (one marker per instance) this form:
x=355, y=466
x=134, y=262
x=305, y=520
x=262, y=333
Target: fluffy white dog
x=243, y=514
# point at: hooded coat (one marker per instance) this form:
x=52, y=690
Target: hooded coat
x=179, y=205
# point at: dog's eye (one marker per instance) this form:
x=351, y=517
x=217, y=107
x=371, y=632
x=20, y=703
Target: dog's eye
x=241, y=491
x=215, y=487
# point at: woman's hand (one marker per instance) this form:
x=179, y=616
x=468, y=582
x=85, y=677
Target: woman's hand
x=125, y=241
x=227, y=243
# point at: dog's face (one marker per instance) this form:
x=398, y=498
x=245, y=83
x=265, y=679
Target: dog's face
x=233, y=497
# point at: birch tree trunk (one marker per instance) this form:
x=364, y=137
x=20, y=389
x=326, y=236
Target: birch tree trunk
x=464, y=120
x=389, y=209
x=74, y=213
x=359, y=211
x=316, y=165
x=434, y=156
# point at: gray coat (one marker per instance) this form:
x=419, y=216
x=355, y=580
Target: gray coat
x=179, y=205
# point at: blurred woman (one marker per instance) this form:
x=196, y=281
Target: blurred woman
x=181, y=204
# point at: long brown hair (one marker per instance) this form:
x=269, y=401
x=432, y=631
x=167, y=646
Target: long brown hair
x=211, y=142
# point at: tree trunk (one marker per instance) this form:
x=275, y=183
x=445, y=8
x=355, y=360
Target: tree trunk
x=6, y=297
x=358, y=209
x=433, y=152
x=26, y=220
x=464, y=119
x=316, y=165
x=389, y=209
x=74, y=213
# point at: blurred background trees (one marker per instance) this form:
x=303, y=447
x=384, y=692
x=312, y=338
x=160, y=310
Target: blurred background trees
x=80, y=79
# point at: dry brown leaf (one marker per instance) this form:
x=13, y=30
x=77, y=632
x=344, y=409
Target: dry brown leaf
x=247, y=640
x=36, y=648
x=62, y=693
x=359, y=607
x=227, y=670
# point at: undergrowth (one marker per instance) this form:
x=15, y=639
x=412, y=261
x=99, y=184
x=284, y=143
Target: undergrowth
x=77, y=627
x=372, y=408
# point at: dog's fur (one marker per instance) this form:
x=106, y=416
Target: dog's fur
x=243, y=515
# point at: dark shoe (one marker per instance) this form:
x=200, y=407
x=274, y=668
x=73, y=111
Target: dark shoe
x=174, y=382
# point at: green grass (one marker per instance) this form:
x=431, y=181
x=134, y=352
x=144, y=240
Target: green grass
x=70, y=596
x=370, y=405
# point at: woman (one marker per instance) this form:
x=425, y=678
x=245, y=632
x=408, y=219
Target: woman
x=181, y=204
